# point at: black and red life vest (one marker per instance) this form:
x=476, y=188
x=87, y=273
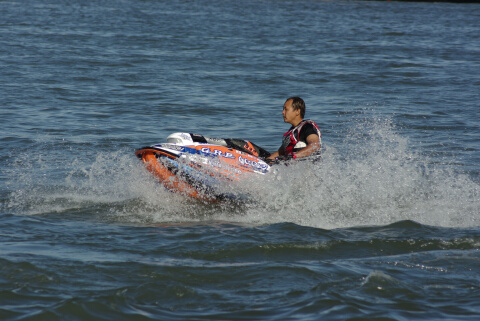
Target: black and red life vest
x=291, y=142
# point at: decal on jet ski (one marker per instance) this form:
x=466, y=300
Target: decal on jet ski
x=170, y=146
x=246, y=161
x=217, y=152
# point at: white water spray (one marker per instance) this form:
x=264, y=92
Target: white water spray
x=372, y=178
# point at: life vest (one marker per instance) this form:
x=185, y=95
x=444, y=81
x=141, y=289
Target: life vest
x=290, y=141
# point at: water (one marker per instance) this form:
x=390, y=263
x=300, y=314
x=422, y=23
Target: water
x=385, y=227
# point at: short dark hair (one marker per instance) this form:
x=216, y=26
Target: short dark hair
x=298, y=103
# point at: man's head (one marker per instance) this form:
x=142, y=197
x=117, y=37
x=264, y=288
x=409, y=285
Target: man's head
x=293, y=110
x=298, y=104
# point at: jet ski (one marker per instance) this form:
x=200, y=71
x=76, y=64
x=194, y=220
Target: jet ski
x=202, y=167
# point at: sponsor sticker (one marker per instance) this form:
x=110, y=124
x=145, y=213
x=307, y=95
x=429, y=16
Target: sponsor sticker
x=250, y=163
x=217, y=152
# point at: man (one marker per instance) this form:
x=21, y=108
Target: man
x=303, y=138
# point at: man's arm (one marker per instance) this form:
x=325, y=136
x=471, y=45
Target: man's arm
x=276, y=154
x=313, y=145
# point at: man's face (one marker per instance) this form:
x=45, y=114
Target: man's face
x=289, y=114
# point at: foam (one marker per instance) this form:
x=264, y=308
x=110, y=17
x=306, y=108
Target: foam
x=372, y=178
